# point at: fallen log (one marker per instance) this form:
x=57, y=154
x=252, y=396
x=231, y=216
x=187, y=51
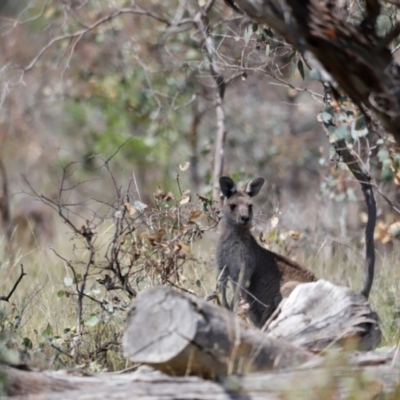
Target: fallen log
x=183, y=335
x=319, y=314
x=339, y=379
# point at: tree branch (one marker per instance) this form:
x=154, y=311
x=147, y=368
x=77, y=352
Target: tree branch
x=364, y=179
x=22, y=274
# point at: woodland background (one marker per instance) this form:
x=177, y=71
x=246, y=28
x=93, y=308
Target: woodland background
x=110, y=118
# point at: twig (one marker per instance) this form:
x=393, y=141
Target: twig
x=7, y=298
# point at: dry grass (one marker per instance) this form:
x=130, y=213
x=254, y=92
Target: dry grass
x=40, y=321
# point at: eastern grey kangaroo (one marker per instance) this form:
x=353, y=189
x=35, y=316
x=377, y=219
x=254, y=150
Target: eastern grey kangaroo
x=263, y=277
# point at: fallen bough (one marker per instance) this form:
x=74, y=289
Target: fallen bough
x=189, y=348
x=362, y=377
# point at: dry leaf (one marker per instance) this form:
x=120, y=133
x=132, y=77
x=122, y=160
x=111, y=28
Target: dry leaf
x=274, y=221
x=295, y=235
x=159, y=194
x=184, y=200
x=131, y=210
x=381, y=232
x=184, y=247
x=143, y=235
x=363, y=217
x=169, y=196
x=185, y=166
x=397, y=178
x=195, y=214
x=157, y=236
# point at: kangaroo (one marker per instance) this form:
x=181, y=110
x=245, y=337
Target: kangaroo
x=261, y=277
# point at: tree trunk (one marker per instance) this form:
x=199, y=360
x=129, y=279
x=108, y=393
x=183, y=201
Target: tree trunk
x=353, y=56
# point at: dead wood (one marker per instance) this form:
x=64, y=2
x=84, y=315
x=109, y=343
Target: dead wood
x=318, y=314
x=339, y=379
x=184, y=335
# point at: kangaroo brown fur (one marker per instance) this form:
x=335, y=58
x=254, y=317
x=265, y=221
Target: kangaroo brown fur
x=262, y=277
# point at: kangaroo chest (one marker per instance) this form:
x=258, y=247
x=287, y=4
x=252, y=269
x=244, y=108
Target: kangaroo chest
x=235, y=253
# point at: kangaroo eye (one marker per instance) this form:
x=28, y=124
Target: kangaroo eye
x=232, y=206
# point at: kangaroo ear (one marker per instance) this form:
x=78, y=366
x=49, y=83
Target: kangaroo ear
x=228, y=186
x=254, y=186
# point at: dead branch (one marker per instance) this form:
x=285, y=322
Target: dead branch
x=22, y=274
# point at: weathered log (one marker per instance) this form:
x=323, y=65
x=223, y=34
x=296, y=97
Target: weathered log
x=318, y=314
x=183, y=335
x=340, y=379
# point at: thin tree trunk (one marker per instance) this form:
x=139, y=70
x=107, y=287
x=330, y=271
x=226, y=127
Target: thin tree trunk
x=201, y=22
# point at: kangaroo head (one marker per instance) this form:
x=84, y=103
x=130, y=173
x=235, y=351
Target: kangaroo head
x=238, y=207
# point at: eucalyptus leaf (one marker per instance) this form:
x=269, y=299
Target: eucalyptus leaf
x=316, y=75
x=93, y=320
x=247, y=34
x=341, y=132
x=383, y=154
x=68, y=281
x=300, y=67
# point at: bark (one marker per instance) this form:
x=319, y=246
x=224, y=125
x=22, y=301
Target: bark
x=352, y=56
x=201, y=21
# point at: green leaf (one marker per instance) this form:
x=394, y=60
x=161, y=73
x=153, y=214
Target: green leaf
x=383, y=154
x=351, y=195
x=326, y=117
x=68, y=281
x=300, y=67
x=387, y=175
x=340, y=197
x=139, y=206
x=315, y=74
x=360, y=123
x=292, y=55
x=337, y=132
x=267, y=50
x=269, y=32
x=93, y=320
x=48, y=331
x=60, y=293
x=247, y=34
x=27, y=343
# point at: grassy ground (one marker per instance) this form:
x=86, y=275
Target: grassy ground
x=40, y=320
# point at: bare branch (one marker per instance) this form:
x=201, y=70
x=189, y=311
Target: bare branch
x=22, y=274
